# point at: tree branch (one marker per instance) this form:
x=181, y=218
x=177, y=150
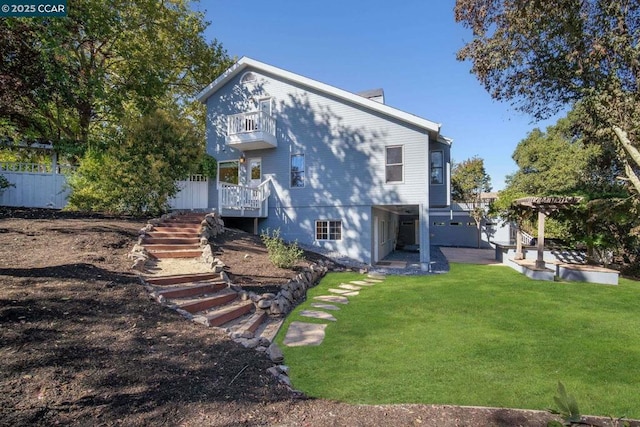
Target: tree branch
x=634, y=154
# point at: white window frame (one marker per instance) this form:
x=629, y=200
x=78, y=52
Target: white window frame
x=263, y=99
x=304, y=171
x=327, y=226
x=229, y=161
x=387, y=164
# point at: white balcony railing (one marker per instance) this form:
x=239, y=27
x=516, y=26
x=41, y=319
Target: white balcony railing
x=256, y=121
x=251, y=131
x=241, y=197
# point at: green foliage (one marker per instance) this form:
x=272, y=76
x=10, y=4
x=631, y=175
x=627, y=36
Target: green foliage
x=469, y=180
x=281, y=254
x=552, y=162
x=4, y=183
x=208, y=166
x=545, y=56
x=80, y=76
x=137, y=176
x=567, y=406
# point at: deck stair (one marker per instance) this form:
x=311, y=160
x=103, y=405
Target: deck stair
x=178, y=237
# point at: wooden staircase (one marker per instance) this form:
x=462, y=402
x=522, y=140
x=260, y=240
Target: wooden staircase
x=178, y=237
x=209, y=300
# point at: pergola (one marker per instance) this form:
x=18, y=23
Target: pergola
x=544, y=206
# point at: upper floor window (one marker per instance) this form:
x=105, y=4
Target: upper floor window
x=437, y=167
x=297, y=170
x=228, y=172
x=394, y=164
x=248, y=77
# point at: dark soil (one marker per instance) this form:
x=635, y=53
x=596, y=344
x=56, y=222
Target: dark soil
x=248, y=261
x=81, y=343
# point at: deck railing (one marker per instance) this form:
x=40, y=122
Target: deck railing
x=256, y=121
x=242, y=197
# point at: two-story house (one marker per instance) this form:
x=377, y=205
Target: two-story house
x=329, y=168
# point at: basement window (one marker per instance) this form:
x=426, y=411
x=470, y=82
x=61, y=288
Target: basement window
x=328, y=230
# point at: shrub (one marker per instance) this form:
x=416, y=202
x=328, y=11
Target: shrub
x=281, y=254
x=4, y=184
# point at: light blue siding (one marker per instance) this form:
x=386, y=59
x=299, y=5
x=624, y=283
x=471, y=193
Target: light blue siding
x=344, y=148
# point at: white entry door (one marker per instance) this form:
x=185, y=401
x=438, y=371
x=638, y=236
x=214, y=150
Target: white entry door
x=255, y=172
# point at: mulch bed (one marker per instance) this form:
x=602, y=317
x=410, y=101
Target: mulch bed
x=81, y=343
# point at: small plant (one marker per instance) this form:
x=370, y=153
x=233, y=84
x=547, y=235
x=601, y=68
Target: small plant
x=567, y=408
x=4, y=184
x=281, y=254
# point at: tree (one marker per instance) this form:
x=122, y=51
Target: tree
x=137, y=174
x=103, y=63
x=555, y=162
x=544, y=55
x=469, y=181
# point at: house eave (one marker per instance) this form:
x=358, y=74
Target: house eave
x=244, y=62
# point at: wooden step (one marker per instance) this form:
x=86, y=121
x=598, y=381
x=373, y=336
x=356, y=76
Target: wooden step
x=177, y=247
x=170, y=234
x=192, y=291
x=224, y=315
x=150, y=240
x=177, y=225
x=253, y=323
x=201, y=304
x=182, y=278
x=193, y=219
x=159, y=254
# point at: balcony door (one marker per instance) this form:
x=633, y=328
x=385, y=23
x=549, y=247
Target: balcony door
x=254, y=172
x=265, y=106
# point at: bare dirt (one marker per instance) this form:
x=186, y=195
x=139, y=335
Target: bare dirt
x=81, y=343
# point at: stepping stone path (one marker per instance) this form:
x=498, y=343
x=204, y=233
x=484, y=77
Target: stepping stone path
x=303, y=333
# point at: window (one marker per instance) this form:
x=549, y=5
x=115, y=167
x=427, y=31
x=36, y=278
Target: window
x=383, y=230
x=437, y=167
x=248, y=77
x=264, y=105
x=228, y=172
x=328, y=230
x=394, y=164
x=297, y=170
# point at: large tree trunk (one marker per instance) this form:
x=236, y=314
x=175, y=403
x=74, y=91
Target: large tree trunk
x=633, y=153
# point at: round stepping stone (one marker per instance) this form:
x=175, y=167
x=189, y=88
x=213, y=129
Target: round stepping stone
x=351, y=294
x=373, y=281
x=375, y=275
x=338, y=291
x=332, y=298
x=349, y=287
x=302, y=333
x=324, y=306
x=316, y=314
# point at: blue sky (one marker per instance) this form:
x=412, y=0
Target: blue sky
x=407, y=47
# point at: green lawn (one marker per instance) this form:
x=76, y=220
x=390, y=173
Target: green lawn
x=479, y=335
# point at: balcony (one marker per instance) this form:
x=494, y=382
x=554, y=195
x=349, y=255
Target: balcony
x=251, y=131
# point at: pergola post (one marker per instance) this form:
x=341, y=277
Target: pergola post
x=540, y=259
x=519, y=255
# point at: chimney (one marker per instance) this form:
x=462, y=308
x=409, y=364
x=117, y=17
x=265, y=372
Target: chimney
x=374, y=95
